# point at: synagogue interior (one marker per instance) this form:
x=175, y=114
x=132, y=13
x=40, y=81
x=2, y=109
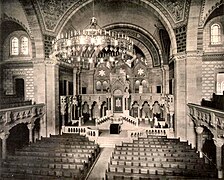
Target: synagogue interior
x=111, y=89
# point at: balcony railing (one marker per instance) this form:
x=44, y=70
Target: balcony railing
x=213, y=119
x=24, y=114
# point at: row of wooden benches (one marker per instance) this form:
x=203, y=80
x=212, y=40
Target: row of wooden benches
x=49, y=145
x=31, y=173
x=159, y=170
x=157, y=157
x=161, y=159
x=155, y=176
x=143, y=141
x=161, y=146
x=51, y=159
x=73, y=153
x=164, y=164
x=60, y=148
x=58, y=156
x=149, y=152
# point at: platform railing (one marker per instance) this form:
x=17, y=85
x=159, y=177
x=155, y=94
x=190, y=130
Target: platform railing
x=102, y=119
x=86, y=131
x=144, y=132
x=134, y=121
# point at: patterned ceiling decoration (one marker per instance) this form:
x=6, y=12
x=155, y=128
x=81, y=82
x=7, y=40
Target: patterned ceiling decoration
x=52, y=11
x=207, y=8
x=177, y=9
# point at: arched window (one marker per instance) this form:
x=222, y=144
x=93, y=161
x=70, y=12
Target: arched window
x=220, y=84
x=137, y=84
x=98, y=86
x=24, y=46
x=215, y=34
x=144, y=86
x=105, y=86
x=14, y=46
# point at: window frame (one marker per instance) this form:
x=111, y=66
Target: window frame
x=11, y=46
x=219, y=35
x=19, y=38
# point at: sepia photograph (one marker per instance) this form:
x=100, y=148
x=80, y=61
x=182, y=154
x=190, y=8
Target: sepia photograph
x=111, y=89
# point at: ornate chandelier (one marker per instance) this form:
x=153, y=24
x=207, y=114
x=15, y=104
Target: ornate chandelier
x=85, y=45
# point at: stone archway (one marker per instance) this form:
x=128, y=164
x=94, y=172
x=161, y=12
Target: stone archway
x=18, y=138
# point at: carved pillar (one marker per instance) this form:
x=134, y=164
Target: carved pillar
x=4, y=137
x=75, y=103
x=219, y=143
x=70, y=102
x=63, y=108
x=199, y=131
x=30, y=127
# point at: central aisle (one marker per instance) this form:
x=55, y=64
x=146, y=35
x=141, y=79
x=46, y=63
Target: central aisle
x=98, y=171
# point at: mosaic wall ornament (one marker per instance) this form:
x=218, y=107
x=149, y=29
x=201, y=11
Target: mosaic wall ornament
x=52, y=11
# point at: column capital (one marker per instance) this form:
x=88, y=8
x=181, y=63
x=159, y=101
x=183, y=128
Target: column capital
x=75, y=70
x=218, y=142
x=4, y=135
x=199, y=130
x=30, y=126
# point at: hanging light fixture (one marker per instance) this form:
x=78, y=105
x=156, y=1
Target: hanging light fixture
x=84, y=45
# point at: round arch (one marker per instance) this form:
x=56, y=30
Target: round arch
x=143, y=3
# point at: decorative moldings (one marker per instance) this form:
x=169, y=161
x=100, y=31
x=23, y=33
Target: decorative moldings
x=213, y=57
x=53, y=11
x=210, y=118
x=177, y=9
x=203, y=16
x=9, y=18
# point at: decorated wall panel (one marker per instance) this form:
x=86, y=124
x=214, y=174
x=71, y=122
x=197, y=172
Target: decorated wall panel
x=9, y=76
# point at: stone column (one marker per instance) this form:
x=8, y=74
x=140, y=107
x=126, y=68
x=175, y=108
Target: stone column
x=171, y=120
x=43, y=126
x=69, y=102
x=219, y=143
x=90, y=113
x=138, y=111
x=123, y=104
x=166, y=79
x=75, y=103
x=52, y=97
x=4, y=137
x=199, y=131
x=180, y=95
x=74, y=81
x=111, y=104
x=30, y=127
